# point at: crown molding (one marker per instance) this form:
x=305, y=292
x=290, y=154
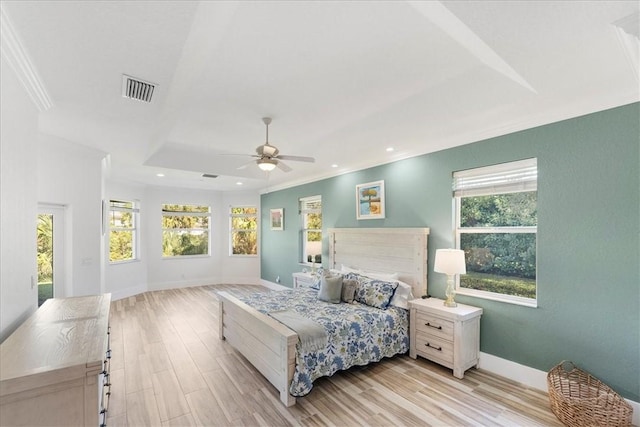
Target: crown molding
x=629, y=39
x=18, y=58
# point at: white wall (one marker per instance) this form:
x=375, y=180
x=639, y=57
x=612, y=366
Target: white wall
x=152, y=271
x=18, y=208
x=236, y=269
x=219, y=267
x=165, y=273
x=127, y=278
x=71, y=175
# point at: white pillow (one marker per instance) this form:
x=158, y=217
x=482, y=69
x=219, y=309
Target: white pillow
x=402, y=296
x=380, y=275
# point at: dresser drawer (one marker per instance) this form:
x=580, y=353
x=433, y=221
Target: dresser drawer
x=431, y=347
x=434, y=326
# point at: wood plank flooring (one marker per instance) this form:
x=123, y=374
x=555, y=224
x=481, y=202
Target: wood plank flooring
x=169, y=368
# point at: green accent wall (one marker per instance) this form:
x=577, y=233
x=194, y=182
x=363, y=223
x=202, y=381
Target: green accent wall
x=588, y=238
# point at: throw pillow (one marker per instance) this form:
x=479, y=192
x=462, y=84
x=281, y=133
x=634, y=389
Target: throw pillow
x=375, y=293
x=330, y=289
x=318, y=276
x=349, y=290
x=402, y=296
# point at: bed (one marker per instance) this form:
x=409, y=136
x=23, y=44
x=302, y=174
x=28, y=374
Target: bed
x=271, y=346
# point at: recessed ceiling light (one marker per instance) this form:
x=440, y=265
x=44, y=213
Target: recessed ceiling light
x=238, y=183
x=160, y=175
x=389, y=149
x=334, y=165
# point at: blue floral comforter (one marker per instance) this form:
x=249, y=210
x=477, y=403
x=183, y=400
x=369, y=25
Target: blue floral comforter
x=357, y=334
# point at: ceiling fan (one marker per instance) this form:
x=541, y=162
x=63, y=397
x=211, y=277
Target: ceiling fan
x=269, y=157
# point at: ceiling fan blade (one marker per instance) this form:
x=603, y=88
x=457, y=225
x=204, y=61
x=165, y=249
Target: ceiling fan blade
x=238, y=154
x=245, y=165
x=283, y=167
x=298, y=158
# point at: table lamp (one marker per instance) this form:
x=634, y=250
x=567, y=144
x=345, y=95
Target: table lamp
x=450, y=262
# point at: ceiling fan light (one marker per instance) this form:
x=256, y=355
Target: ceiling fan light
x=266, y=165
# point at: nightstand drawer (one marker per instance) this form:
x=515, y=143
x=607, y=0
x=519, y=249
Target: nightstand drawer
x=435, y=326
x=434, y=348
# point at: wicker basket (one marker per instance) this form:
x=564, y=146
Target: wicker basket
x=579, y=399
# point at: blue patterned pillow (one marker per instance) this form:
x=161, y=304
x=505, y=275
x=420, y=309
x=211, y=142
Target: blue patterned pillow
x=374, y=292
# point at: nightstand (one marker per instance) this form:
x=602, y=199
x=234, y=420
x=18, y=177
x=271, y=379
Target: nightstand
x=449, y=336
x=303, y=280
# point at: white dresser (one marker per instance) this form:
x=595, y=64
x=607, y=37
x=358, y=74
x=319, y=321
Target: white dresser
x=54, y=369
x=449, y=336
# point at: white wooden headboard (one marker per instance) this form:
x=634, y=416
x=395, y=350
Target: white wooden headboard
x=388, y=250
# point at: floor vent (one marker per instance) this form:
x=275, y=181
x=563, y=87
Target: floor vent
x=137, y=89
x=209, y=175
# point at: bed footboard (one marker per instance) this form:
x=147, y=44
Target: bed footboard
x=263, y=341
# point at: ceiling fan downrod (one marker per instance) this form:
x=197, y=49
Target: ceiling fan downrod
x=267, y=122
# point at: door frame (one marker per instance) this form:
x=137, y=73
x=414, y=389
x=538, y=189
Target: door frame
x=59, y=213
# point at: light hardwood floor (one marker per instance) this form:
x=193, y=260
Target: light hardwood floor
x=169, y=368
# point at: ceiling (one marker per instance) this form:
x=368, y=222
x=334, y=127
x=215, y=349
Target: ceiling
x=343, y=81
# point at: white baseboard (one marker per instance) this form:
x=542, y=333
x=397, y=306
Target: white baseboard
x=531, y=377
x=514, y=371
x=129, y=292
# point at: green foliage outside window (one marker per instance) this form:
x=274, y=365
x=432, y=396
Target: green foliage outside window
x=500, y=210
x=45, y=248
x=497, y=233
x=314, y=222
x=312, y=230
x=122, y=229
x=185, y=230
x=244, y=231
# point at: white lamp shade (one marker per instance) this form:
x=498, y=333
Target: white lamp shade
x=450, y=261
x=266, y=164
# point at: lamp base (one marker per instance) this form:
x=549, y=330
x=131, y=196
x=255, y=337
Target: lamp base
x=450, y=292
x=449, y=302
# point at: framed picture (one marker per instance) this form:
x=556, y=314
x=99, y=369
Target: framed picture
x=277, y=219
x=370, y=200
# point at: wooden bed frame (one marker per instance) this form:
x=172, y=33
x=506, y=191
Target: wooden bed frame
x=270, y=346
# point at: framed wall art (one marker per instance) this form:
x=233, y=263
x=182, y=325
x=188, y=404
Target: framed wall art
x=277, y=219
x=370, y=200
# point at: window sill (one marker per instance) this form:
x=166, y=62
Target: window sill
x=525, y=302
x=185, y=257
x=124, y=261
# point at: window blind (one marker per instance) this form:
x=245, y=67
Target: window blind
x=119, y=205
x=311, y=205
x=512, y=177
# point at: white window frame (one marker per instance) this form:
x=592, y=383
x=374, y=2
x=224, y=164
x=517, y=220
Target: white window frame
x=183, y=213
x=505, y=178
x=304, y=209
x=134, y=210
x=233, y=230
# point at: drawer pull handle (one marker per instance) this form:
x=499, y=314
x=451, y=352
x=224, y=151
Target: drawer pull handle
x=431, y=326
x=433, y=347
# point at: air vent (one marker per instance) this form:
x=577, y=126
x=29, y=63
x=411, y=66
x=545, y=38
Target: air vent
x=209, y=175
x=137, y=89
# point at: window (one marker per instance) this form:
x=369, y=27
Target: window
x=185, y=230
x=123, y=230
x=311, y=236
x=243, y=224
x=496, y=226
